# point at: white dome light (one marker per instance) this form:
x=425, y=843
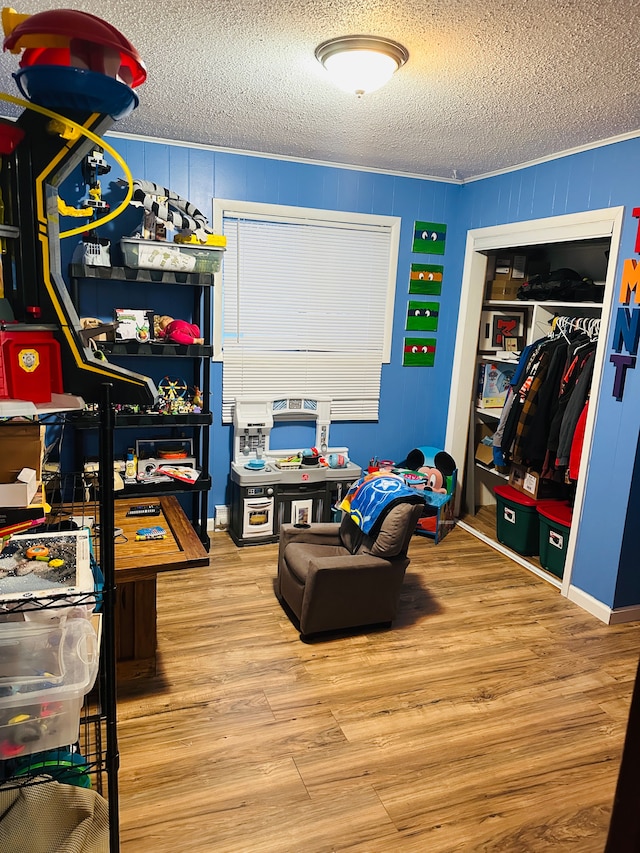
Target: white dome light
x=361, y=64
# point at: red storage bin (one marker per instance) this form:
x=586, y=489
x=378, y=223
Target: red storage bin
x=517, y=523
x=30, y=366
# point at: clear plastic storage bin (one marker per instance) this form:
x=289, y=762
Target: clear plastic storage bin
x=172, y=257
x=45, y=671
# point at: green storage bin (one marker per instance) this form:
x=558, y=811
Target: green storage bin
x=517, y=521
x=554, y=526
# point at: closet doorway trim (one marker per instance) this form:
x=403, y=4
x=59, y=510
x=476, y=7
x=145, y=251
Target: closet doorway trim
x=591, y=224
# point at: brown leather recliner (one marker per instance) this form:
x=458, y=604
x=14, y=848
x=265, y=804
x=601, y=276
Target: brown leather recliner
x=333, y=576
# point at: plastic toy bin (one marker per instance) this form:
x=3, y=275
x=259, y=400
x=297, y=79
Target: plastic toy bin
x=555, y=524
x=517, y=521
x=45, y=672
x=173, y=257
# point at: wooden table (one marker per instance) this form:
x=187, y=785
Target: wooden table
x=136, y=569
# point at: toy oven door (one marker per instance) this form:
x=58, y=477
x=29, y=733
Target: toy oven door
x=257, y=517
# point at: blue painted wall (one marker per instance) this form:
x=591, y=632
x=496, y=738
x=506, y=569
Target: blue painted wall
x=627, y=582
x=414, y=401
x=586, y=181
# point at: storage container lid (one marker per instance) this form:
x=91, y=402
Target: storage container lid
x=516, y=497
x=559, y=511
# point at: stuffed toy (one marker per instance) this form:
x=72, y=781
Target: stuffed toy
x=178, y=331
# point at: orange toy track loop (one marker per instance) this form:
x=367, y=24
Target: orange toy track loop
x=36, y=551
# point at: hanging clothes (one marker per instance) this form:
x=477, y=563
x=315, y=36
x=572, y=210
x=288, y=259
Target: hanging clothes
x=577, y=444
x=573, y=410
x=509, y=424
x=577, y=356
x=545, y=398
x=525, y=402
x=534, y=444
x=499, y=459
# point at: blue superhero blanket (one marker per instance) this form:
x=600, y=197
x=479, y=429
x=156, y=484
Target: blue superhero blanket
x=372, y=496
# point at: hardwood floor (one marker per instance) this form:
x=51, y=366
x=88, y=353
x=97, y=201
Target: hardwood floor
x=485, y=522
x=490, y=718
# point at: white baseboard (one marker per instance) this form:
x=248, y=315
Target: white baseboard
x=517, y=558
x=602, y=611
x=625, y=614
x=590, y=604
x=587, y=602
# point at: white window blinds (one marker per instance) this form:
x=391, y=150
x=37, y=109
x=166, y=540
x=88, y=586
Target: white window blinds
x=307, y=305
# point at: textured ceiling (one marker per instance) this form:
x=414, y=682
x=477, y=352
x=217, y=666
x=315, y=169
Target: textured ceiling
x=489, y=83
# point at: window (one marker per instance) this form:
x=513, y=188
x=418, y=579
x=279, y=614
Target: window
x=306, y=305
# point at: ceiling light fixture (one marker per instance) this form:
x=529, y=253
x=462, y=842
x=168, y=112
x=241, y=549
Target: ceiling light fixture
x=360, y=64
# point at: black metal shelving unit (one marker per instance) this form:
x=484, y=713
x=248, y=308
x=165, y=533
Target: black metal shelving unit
x=71, y=494
x=171, y=426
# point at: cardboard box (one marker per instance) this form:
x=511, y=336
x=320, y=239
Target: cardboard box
x=484, y=445
x=21, y=452
x=505, y=289
x=529, y=482
x=493, y=382
x=34, y=512
x=510, y=267
x=484, y=453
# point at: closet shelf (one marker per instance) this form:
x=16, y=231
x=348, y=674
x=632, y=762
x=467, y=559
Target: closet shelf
x=494, y=414
x=491, y=471
x=500, y=355
x=531, y=303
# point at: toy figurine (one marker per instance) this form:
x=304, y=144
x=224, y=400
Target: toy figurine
x=178, y=331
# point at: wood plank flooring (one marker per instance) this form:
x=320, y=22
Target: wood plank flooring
x=485, y=522
x=490, y=718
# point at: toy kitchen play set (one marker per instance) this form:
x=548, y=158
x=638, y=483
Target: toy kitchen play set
x=274, y=487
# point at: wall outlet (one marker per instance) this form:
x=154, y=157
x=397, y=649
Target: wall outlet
x=221, y=521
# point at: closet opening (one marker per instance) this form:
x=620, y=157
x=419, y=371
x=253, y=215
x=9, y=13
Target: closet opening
x=498, y=335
